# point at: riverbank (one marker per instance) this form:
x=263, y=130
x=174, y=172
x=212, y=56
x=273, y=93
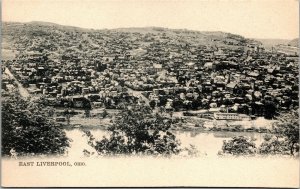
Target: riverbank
x=187, y=123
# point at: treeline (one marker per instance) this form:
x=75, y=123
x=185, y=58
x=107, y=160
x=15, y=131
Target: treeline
x=283, y=140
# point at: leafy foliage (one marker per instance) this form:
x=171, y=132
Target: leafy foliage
x=152, y=104
x=283, y=139
x=192, y=151
x=286, y=136
x=239, y=146
x=272, y=145
x=137, y=131
x=27, y=131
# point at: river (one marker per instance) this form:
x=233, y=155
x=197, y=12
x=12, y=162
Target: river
x=207, y=143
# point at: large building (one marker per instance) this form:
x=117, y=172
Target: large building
x=231, y=116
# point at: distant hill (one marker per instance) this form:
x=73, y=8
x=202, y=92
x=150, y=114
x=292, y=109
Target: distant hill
x=294, y=42
x=37, y=24
x=208, y=38
x=269, y=43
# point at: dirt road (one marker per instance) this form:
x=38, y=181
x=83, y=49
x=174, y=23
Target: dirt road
x=23, y=91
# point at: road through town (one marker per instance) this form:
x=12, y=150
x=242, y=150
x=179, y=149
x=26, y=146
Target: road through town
x=23, y=92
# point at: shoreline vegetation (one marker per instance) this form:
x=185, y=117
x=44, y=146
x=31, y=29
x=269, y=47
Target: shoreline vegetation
x=282, y=140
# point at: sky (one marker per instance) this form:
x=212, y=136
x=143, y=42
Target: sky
x=249, y=18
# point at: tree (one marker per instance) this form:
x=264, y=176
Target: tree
x=27, y=131
x=285, y=139
x=289, y=127
x=177, y=104
x=195, y=104
x=239, y=146
x=152, y=104
x=163, y=100
x=272, y=145
x=270, y=109
x=104, y=114
x=137, y=131
x=87, y=112
x=192, y=151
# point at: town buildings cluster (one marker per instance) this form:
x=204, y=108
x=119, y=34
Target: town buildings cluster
x=198, y=73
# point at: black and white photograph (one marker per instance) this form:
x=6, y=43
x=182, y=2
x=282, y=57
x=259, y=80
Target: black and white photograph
x=150, y=93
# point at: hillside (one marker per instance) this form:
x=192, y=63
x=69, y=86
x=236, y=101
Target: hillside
x=294, y=42
x=13, y=30
x=269, y=43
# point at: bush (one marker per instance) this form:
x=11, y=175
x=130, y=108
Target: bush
x=239, y=146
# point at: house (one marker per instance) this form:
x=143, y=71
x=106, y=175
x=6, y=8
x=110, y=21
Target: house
x=203, y=113
x=97, y=104
x=169, y=105
x=157, y=67
x=85, y=90
x=210, y=65
x=231, y=86
x=253, y=74
x=60, y=119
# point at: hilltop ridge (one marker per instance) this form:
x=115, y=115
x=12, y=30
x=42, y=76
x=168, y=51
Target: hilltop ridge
x=211, y=38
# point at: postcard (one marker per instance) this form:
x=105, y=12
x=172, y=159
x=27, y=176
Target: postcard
x=150, y=93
